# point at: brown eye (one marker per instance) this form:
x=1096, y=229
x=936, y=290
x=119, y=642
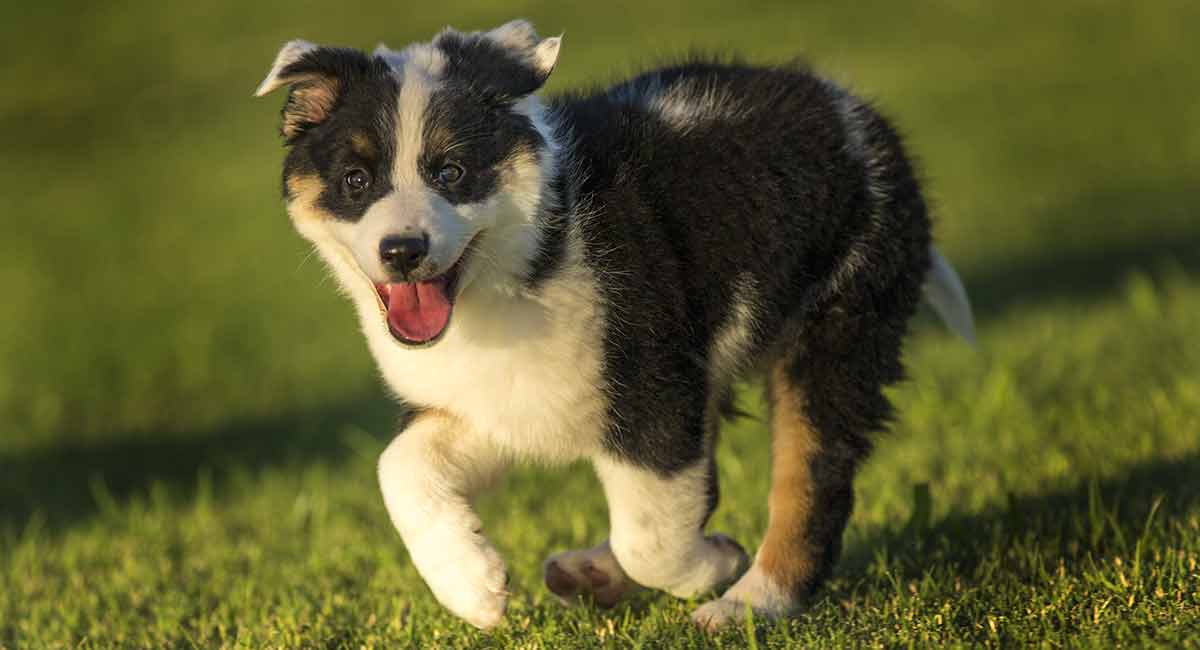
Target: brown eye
x=450, y=174
x=357, y=179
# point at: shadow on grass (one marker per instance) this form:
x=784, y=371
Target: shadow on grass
x=1100, y=518
x=60, y=482
x=1088, y=258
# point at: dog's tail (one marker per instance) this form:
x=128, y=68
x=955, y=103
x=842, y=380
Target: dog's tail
x=945, y=293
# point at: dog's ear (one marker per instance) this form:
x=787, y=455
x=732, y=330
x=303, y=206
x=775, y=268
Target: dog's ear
x=316, y=77
x=519, y=37
x=510, y=61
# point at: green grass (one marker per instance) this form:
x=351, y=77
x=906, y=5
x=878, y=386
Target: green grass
x=190, y=420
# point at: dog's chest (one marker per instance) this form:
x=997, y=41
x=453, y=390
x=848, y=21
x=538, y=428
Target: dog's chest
x=526, y=373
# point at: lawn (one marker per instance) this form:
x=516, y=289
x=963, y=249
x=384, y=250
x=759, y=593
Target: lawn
x=189, y=420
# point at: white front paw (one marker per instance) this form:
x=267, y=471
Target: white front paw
x=466, y=575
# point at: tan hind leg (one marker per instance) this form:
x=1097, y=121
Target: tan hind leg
x=810, y=501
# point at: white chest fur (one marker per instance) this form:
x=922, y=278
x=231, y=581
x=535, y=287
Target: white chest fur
x=522, y=370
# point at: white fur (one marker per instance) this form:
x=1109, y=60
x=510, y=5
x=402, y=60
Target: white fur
x=530, y=380
x=684, y=104
x=754, y=588
x=517, y=374
x=421, y=56
x=946, y=294
x=520, y=36
x=850, y=111
x=545, y=55
x=416, y=85
x=942, y=289
x=525, y=386
x=288, y=54
x=691, y=104
x=426, y=476
x=735, y=336
x=656, y=531
x=515, y=34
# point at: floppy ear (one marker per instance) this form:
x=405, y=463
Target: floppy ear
x=315, y=77
x=510, y=61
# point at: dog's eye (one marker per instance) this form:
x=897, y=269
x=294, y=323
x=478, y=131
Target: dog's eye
x=450, y=174
x=357, y=179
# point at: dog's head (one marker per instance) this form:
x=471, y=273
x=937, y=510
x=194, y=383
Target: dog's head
x=420, y=170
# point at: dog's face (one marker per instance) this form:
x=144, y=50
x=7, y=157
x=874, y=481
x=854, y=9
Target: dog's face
x=420, y=170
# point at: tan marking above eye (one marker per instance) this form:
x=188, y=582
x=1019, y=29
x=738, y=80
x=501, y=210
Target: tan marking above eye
x=303, y=192
x=362, y=145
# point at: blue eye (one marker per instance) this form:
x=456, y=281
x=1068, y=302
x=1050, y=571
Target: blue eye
x=450, y=174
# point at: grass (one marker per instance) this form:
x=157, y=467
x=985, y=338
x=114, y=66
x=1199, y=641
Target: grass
x=190, y=420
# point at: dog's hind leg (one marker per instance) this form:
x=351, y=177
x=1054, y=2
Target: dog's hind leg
x=825, y=398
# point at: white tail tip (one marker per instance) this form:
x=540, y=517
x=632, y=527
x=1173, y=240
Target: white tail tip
x=945, y=293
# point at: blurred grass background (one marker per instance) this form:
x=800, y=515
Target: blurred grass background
x=189, y=417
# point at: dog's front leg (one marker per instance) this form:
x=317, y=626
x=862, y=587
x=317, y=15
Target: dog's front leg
x=427, y=474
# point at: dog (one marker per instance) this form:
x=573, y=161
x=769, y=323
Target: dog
x=585, y=277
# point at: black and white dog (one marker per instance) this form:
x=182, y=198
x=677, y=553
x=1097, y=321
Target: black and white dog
x=586, y=277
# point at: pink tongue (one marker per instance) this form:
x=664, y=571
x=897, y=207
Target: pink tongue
x=418, y=311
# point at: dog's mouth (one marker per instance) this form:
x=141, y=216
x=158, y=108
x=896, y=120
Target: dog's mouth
x=418, y=313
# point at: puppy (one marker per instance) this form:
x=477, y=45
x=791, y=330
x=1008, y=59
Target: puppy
x=586, y=277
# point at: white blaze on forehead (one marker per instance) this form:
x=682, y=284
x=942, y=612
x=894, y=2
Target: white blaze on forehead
x=419, y=67
x=422, y=55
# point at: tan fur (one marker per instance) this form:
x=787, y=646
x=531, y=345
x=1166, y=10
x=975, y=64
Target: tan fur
x=785, y=555
x=303, y=192
x=311, y=101
x=362, y=145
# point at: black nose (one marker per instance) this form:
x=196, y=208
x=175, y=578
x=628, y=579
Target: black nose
x=403, y=254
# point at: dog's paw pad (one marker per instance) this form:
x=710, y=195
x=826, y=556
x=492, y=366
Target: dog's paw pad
x=574, y=575
x=559, y=581
x=596, y=577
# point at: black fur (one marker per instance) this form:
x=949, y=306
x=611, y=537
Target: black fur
x=365, y=105
x=478, y=132
x=470, y=124
x=488, y=67
x=771, y=191
x=553, y=226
